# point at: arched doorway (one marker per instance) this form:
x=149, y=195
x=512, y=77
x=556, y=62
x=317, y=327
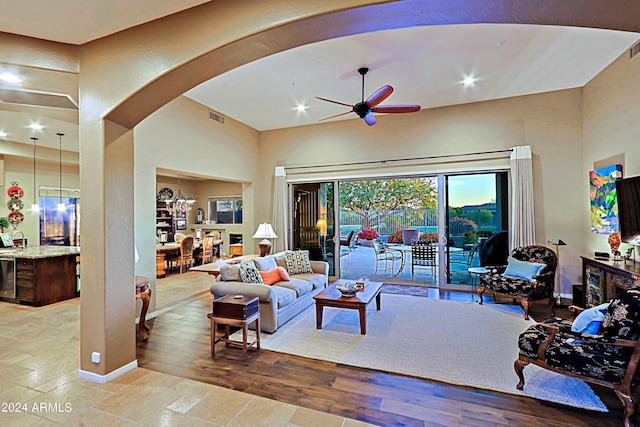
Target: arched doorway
x=192, y=55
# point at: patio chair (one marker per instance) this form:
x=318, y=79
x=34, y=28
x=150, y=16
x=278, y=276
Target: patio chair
x=423, y=254
x=386, y=255
x=466, y=260
x=348, y=241
x=529, y=276
x=495, y=250
x=605, y=353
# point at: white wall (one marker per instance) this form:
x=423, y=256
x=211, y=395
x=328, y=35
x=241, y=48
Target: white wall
x=611, y=129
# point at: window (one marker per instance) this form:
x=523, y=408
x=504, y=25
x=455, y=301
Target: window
x=59, y=228
x=225, y=210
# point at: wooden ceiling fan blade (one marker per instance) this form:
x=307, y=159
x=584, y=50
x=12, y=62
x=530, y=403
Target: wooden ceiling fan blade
x=382, y=94
x=337, y=115
x=369, y=119
x=396, y=109
x=335, y=102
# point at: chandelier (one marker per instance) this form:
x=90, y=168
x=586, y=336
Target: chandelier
x=180, y=203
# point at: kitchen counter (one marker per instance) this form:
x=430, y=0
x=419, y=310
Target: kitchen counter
x=37, y=252
x=44, y=274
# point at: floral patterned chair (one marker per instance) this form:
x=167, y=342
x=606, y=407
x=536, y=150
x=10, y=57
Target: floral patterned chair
x=608, y=358
x=525, y=288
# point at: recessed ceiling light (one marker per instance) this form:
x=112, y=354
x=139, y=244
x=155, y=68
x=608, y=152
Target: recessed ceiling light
x=36, y=126
x=301, y=108
x=10, y=78
x=469, y=81
x=3, y=134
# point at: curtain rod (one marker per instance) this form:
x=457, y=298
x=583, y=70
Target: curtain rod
x=374, y=162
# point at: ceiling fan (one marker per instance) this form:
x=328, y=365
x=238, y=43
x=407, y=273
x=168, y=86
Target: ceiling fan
x=365, y=109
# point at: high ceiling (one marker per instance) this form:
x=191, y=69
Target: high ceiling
x=425, y=65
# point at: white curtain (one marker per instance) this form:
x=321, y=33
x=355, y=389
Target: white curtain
x=522, y=214
x=280, y=210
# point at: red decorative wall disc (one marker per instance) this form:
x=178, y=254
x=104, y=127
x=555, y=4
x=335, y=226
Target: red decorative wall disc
x=15, y=191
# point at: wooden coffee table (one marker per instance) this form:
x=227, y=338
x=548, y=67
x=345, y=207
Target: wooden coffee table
x=331, y=297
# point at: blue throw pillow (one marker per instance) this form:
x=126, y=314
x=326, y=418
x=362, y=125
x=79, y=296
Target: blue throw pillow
x=589, y=321
x=523, y=269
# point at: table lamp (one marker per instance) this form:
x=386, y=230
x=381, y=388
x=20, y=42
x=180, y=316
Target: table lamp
x=265, y=232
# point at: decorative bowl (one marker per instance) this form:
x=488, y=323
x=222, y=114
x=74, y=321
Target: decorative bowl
x=349, y=289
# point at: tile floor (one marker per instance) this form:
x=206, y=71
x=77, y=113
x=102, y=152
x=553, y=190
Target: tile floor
x=39, y=362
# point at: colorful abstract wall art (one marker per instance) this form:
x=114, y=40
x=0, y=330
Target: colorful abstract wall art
x=604, y=202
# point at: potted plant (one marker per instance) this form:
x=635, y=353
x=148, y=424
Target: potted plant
x=366, y=235
x=4, y=223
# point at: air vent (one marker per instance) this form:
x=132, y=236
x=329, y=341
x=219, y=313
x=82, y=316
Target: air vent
x=36, y=99
x=634, y=50
x=216, y=117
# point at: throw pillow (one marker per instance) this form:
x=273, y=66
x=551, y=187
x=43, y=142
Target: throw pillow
x=230, y=273
x=265, y=263
x=269, y=277
x=298, y=262
x=249, y=273
x=284, y=274
x=523, y=269
x=589, y=321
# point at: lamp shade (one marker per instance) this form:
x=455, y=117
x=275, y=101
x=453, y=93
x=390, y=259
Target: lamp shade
x=321, y=225
x=265, y=231
x=557, y=241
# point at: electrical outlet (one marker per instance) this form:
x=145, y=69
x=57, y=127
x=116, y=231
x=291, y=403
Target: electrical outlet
x=95, y=357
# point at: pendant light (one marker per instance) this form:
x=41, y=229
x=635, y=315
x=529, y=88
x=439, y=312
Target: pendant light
x=35, y=207
x=180, y=203
x=61, y=206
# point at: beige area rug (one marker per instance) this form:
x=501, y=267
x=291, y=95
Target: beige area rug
x=453, y=342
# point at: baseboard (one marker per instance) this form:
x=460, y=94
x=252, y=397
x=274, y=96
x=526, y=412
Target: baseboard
x=149, y=316
x=91, y=376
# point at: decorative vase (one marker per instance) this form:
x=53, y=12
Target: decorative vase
x=366, y=242
x=614, y=243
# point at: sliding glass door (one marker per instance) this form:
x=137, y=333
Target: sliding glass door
x=476, y=210
x=456, y=212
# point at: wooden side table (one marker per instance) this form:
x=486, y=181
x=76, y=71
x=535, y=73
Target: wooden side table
x=143, y=292
x=229, y=310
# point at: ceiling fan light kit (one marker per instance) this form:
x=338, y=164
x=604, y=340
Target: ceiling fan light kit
x=365, y=109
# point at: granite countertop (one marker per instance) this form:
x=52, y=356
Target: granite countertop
x=36, y=252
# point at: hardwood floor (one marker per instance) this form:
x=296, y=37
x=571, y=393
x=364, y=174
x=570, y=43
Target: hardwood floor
x=179, y=345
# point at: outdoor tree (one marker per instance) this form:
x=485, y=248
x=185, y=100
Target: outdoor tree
x=366, y=197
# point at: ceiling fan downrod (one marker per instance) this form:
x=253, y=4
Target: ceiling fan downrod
x=363, y=71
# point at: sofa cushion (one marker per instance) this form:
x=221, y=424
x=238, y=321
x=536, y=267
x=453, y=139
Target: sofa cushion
x=284, y=274
x=318, y=280
x=279, y=257
x=230, y=272
x=269, y=277
x=249, y=273
x=265, y=263
x=285, y=296
x=301, y=287
x=298, y=262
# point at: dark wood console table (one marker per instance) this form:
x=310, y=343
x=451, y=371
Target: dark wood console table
x=603, y=279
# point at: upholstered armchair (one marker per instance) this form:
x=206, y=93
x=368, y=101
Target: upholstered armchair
x=529, y=276
x=607, y=356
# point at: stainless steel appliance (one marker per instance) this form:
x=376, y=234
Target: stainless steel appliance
x=7, y=278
